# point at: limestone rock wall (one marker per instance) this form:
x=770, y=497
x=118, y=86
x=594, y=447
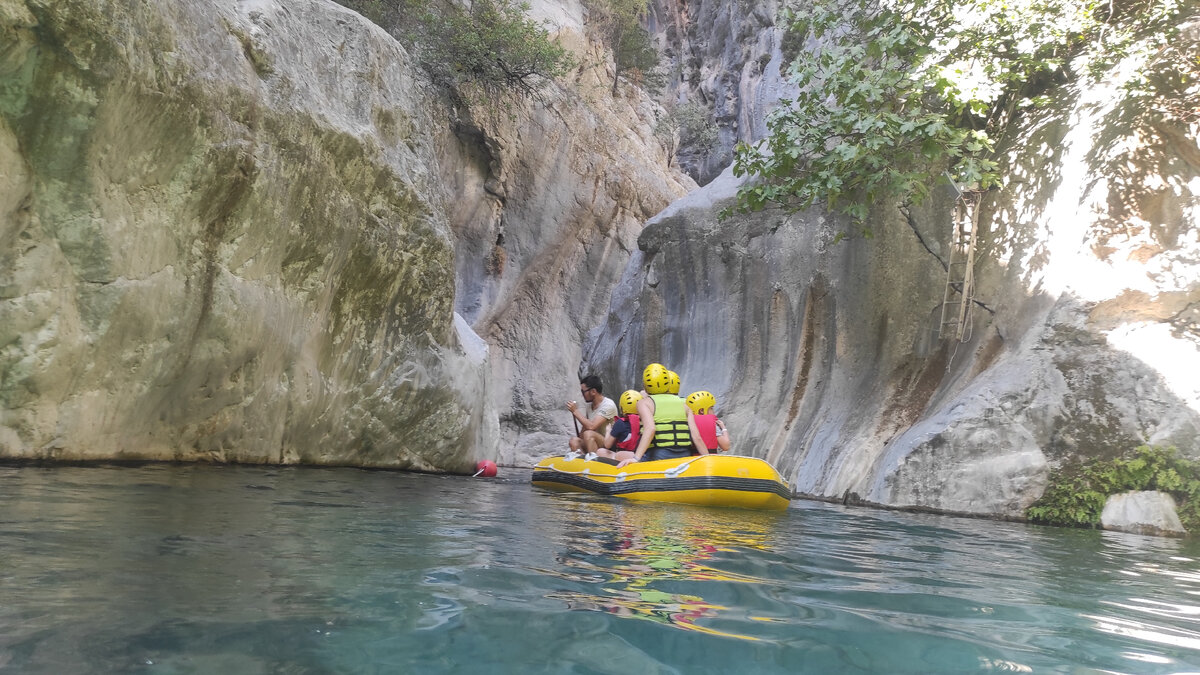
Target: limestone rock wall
x=725, y=56
x=249, y=231
x=824, y=355
x=221, y=238
x=546, y=201
x=245, y=230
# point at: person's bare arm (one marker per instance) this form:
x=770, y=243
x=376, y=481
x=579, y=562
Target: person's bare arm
x=585, y=423
x=723, y=441
x=609, y=439
x=645, y=409
x=592, y=424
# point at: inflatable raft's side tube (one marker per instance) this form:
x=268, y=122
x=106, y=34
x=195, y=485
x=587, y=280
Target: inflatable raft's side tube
x=713, y=480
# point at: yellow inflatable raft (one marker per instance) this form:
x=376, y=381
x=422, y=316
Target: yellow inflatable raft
x=708, y=480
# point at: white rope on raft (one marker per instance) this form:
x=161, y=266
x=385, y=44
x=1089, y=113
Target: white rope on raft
x=669, y=473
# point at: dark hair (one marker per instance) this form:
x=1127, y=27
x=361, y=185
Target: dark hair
x=593, y=382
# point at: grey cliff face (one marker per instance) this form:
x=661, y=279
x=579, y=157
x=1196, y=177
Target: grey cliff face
x=250, y=232
x=825, y=357
x=725, y=56
x=546, y=202
x=217, y=241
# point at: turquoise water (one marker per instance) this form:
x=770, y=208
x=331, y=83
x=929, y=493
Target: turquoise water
x=203, y=569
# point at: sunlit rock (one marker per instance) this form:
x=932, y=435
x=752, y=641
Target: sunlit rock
x=1145, y=512
x=221, y=239
x=250, y=232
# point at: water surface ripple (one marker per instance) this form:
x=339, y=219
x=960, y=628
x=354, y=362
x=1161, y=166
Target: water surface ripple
x=216, y=569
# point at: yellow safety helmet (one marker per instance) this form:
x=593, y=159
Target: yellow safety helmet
x=673, y=388
x=701, y=400
x=629, y=402
x=657, y=379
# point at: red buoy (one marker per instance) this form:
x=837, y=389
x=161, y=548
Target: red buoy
x=485, y=468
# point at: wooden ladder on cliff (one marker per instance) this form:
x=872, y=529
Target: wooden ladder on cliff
x=959, y=293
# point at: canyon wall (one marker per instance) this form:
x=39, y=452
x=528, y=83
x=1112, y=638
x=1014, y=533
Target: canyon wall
x=826, y=356
x=218, y=241
x=251, y=231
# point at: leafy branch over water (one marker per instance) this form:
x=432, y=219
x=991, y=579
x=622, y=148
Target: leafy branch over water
x=893, y=93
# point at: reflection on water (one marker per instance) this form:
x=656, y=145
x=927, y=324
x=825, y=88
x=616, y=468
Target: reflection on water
x=202, y=569
x=644, y=549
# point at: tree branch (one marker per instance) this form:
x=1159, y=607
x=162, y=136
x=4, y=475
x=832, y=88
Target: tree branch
x=912, y=224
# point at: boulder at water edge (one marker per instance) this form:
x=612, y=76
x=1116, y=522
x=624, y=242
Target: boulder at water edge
x=1146, y=512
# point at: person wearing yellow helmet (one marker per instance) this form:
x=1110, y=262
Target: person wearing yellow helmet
x=656, y=379
x=625, y=431
x=668, y=426
x=628, y=402
x=712, y=430
x=592, y=424
x=673, y=385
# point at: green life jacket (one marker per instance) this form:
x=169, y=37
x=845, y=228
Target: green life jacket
x=670, y=422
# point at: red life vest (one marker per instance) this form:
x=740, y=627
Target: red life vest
x=635, y=428
x=707, y=426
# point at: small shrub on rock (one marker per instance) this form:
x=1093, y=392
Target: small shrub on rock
x=491, y=45
x=1077, y=493
x=688, y=125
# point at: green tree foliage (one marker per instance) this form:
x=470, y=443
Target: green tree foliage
x=893, y=93
x=619, y=23
x=1076, y=494
x=491, y=45
x=686, y=125
x=375, y=10
x=637, y=59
